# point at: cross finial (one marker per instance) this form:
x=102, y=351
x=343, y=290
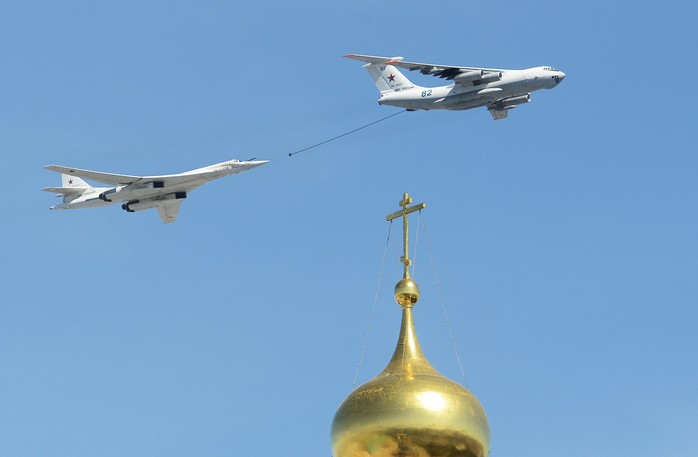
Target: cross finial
x=406, y=200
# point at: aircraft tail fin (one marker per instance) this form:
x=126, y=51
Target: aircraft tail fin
x=69, y=185
x=73, y=182
x=387, y=77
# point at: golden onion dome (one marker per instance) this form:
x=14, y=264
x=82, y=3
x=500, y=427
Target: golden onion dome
x=410, y=409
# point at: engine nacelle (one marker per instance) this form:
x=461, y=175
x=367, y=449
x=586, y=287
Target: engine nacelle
x=513, y=101
x=127, y=206
x=135, y=191
x=140, y=188
x=492, y=76
x=140, y=205
x=468, y=75
x=488, y=78
x=107, y=194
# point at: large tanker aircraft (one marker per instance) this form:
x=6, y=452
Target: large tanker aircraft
x=472, y=87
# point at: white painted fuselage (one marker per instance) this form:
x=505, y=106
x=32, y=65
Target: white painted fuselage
x=164, y=192
x=454, y=96
x=497, y=89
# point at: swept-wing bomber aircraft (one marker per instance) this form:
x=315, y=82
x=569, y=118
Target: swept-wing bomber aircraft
x=497, y=89
x=138, y=193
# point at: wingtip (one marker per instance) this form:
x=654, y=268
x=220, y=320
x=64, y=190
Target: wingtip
x=52, y=167
x=394, y=60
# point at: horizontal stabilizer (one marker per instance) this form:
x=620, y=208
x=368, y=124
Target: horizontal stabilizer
x=375, y=59
x=65, y=190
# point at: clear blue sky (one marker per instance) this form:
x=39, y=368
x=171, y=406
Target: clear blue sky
x=564, y=238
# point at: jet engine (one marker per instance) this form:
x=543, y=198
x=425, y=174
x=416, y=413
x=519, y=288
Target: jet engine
x=488, y=78
x=107, y=194
x=131, y=191
x=513, y=101
x=140, y=205
x=468, y=75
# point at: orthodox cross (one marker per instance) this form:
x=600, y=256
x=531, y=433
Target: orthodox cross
x=406, y=200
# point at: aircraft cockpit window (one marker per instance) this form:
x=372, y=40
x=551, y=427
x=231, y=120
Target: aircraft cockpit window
x=549, y=68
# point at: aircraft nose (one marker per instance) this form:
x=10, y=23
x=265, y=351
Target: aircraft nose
x=559, y=77
x=257, y=163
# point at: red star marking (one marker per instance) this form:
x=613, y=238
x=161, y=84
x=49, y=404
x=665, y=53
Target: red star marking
x=391, y=77
x=70, y=181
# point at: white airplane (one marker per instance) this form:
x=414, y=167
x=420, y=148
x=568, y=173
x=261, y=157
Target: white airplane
x=165, y=192
x=499, y=90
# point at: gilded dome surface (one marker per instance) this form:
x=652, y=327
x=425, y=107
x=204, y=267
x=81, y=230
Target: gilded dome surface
x=410, y=409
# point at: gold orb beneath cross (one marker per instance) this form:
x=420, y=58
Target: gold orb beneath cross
x=406, y=292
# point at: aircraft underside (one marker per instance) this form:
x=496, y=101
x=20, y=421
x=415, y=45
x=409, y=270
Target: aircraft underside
x=455, y=102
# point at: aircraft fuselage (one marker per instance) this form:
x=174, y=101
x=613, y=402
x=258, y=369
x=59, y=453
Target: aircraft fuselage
x=460, y=96
x=138, y=193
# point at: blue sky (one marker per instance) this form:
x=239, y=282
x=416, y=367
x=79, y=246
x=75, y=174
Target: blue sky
x=563, y=238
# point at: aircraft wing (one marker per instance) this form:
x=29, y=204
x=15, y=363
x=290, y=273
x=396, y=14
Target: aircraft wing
x=109, y=178
x=169, y=210
x=122, y=180
x=442, y=71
